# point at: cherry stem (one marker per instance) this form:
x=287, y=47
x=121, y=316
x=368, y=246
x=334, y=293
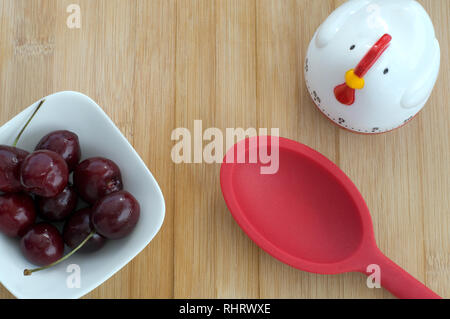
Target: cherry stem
x=28, y=272
x=28, y=122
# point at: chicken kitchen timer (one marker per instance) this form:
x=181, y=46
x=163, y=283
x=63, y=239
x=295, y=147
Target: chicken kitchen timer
x=372, y=65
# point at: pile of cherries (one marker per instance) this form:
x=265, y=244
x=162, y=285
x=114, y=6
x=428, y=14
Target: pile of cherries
x=36, y=186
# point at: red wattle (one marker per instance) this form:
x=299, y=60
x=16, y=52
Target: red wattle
x=344, y=94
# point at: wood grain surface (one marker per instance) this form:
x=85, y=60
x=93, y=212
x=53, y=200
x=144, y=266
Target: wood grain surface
x=156, y=65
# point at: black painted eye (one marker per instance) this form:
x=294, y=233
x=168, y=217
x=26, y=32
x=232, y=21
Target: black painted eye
x=353, y=47
x=386, y=71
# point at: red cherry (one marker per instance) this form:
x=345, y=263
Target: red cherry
x=77, y=228
x=116, y=215
x=11, y=159
x=42, y=245
x=44, y=173
x=59, y=207
x=65, y=143
x=17, y=214
x=96, y=177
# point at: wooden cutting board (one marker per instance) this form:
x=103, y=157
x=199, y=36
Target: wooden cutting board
x=157, y=65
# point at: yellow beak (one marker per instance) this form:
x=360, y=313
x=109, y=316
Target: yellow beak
x=353, y=81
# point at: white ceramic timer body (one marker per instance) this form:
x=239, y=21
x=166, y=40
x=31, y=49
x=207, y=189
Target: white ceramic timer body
x=372, y=65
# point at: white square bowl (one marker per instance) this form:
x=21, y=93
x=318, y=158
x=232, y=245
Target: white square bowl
x=98, y=137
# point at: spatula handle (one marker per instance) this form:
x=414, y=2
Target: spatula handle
x=400, y=283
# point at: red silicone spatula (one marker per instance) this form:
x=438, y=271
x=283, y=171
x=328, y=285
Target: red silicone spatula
x=308, y=214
